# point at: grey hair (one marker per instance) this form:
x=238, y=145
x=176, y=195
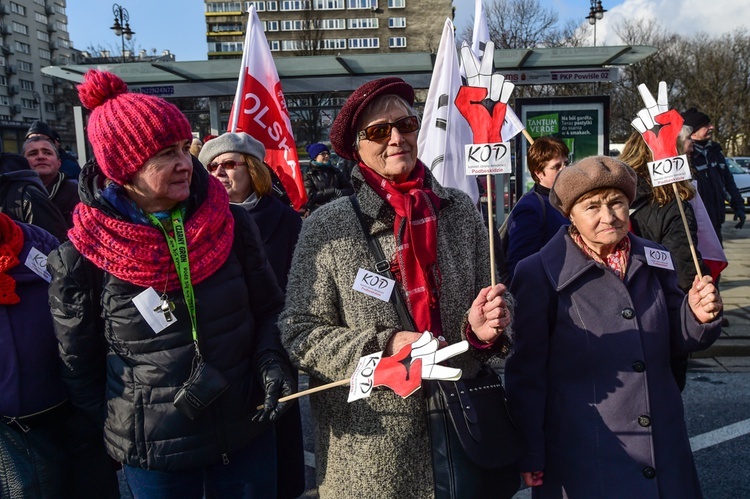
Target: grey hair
x=39, y=138
x=383, y=104
x=685, y=133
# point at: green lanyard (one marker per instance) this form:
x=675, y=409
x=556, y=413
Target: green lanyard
x=178, y=249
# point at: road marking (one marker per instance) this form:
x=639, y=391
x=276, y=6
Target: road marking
x=720, y=435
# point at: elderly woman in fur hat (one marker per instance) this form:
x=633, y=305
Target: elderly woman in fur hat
x=598, y=313
x=436, y=246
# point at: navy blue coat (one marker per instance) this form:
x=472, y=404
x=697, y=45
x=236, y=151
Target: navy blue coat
x=589, y=381
x=531, y=226
x=30, y=379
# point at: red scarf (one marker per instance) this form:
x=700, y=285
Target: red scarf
x=139, y=253
x=415, y=230
x=11, y=243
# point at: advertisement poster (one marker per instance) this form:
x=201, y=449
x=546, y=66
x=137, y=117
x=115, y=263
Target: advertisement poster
x=581, y=122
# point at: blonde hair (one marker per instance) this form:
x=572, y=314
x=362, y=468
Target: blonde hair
x=637, y=155
x=260, y=177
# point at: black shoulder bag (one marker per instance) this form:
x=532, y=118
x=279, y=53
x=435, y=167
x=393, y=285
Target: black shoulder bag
x=475, y=445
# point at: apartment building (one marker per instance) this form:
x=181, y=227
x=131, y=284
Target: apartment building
x=329, y=27
x=33, y=34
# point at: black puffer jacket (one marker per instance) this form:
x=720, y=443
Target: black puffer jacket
x=115, y=365
x=24, y=198
x=324, y=183
x=663, y=225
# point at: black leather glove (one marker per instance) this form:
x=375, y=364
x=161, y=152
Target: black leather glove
x=739, y=215
x=278, y=381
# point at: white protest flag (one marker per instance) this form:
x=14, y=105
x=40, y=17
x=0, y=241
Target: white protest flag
x=512, y=126
x=444, y=131
x=260, y=110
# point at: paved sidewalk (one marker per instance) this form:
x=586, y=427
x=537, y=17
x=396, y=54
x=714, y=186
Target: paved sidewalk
x=731, y=352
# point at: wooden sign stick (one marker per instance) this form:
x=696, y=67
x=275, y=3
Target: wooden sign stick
x=491, y=227
x=309, y=391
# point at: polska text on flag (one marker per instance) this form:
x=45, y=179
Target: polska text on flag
x=259, y=109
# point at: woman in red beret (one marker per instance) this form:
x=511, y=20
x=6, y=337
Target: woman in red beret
x=598, y=312
x=165, y=309
x=436, y=245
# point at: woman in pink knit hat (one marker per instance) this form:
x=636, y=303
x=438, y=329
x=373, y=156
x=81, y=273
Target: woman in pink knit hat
x=165, y=309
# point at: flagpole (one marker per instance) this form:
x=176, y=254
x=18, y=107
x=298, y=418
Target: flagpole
x=491, y=229
x=243, y=72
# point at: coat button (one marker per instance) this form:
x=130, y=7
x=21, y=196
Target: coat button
x=628, y=313
x=644, y=421
x=639, y=366
x=649, y=472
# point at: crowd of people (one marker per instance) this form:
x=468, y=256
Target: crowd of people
x=159, y=303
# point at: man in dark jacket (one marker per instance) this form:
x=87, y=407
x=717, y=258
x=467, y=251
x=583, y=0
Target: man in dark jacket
x=715, y=181
x=24, y=198
x=44, y=159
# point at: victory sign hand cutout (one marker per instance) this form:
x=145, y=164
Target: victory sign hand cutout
x=403, y=372
x=658, y=125
x=484, y=101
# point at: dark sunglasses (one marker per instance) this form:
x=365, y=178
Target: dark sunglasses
x=383, y=130
x=227, y=164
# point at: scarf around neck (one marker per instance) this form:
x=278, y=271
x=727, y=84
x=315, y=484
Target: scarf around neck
x=617, y=261
x=11, y=243
x=415, y=230
x=138, y=253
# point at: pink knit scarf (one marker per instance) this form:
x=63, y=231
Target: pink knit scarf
x=139, y=254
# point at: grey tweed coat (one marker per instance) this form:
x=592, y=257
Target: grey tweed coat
x=376, y=447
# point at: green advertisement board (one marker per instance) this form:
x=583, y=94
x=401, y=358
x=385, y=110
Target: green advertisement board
x=581, y=122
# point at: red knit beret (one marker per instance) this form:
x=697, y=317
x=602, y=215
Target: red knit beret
x=343, y=130
x=126, y=129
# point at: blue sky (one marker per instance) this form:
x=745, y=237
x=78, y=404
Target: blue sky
x=179, y=26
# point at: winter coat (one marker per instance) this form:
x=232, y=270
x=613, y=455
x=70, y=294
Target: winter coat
x=715, y=182
x=30, y=379
x=530, y=226
x=325, y=183
x=63, y=192
x=118, y=369
x=379, y=446
x=24, y=198
x=279, y=227
x=663, y=225
x=589, y=381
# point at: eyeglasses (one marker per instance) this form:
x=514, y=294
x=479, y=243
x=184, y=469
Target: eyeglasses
x=383, y=130
x=227, y=164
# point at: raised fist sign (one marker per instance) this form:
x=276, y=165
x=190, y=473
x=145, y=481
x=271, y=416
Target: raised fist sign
x=483, y=102
x=658, y=125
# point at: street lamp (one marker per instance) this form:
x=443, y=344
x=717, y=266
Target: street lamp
x=123, y=19
x=596, y=12
x=38, y=101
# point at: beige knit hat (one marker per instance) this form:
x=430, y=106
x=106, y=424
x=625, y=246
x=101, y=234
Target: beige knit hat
x=594, y=172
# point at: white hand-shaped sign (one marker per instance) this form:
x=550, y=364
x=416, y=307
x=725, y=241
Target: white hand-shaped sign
x=427, y=348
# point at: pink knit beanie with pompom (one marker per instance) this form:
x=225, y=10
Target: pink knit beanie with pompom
x=126, y=129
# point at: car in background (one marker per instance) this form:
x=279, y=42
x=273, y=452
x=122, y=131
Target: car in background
x=743, y=162
x=741, y=179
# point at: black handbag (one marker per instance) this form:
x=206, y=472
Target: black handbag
x=475, y=445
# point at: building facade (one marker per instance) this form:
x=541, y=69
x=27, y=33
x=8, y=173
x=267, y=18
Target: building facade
x=33, y=34
x=329, y=27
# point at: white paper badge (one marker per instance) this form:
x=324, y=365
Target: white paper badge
x=37, y=262
x=659, y=258
x=149, y=304
x=361, y=382
x=373, y=284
